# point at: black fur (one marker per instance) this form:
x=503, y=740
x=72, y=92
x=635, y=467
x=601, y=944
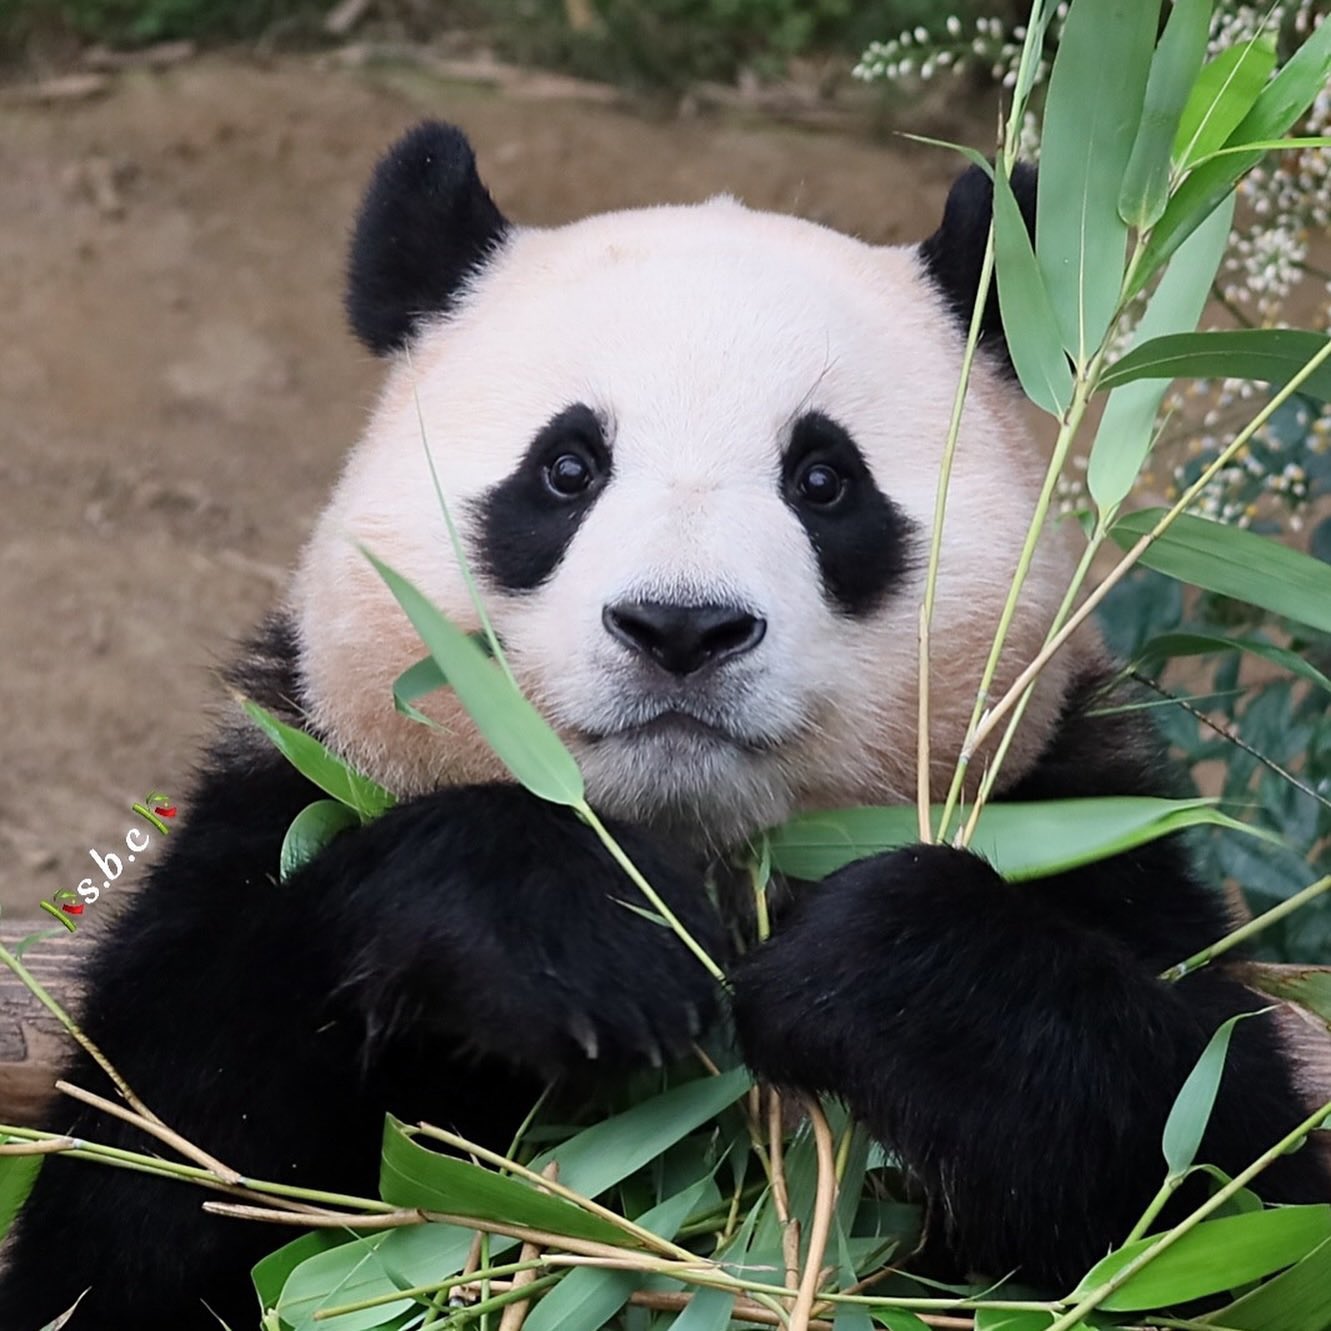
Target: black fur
x=426, y=224
x=522, y=527
x=954, y=254
x=863, y=541
x=1011, y=1043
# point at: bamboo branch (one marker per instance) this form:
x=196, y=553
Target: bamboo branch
x=823, y=1207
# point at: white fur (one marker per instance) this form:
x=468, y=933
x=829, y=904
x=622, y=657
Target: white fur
x=699, y=334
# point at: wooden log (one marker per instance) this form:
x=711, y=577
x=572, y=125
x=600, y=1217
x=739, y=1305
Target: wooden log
x=33, y=1044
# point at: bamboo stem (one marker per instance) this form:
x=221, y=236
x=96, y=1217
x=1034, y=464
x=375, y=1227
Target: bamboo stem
x=823, y=1206
x=1249, y=930
x=154, y=1127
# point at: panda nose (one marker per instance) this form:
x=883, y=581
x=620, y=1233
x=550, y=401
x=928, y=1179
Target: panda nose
x=684, y=638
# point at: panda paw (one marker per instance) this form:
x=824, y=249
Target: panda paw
x=880, y=966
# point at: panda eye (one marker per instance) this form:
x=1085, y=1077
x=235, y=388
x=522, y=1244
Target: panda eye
x=569, y=475
x=820, y=484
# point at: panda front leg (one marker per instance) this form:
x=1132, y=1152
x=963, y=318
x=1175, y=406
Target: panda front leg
x=441, y=962
x=1019, y=1063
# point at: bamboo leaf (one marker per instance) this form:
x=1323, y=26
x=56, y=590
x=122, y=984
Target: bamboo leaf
x=59, y=1323
x=310, y=831
x=1234, y=562
x=1272, y=116
x=1215, y=1256
x=602, y=1155
x=898, y=1319
x=1316, y=141
x=320, y=765
x=18, y=1174
x=1092, y=111
x=1007, y=1319
x=1127, y=427
x=1170, y=645
x=521, y=737
x=1173, y=73
x=270, y=1273
x=1028, y=318
x=1223, y=94
x=1191, y=1110
x=1296, y=1300
x=708, y=1310
x=425, y=677
x=412, y=1175
x=1031, y=839
x=344, y=1274
x=1308, y=986
x=588, y=1298
x=1268, y=355
x=970, y=154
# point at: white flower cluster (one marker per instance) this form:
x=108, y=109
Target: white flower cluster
x=985, y=44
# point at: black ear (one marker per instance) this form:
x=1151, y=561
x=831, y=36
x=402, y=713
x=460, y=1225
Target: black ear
x=954, y=254
x=425, y=224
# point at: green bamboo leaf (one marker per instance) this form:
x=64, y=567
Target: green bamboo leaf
x=708, y=1310
x=1318, y=142
x=1127, y=427
x=521, y=737
x=1170, y=645
x=1191, y=1110
x=59, y=1323
x=319, y=764
x=415, y=682
x=1174, y=69
x=898, y=1319
x=1268, y=355
x=270, y=1273
x=1031, y=839
x=588, y=1298
x=851, y=1317
x=1008, y=1319
x=1223, y=94
x=1028, y=318
x=1234, y=562
x=970, y=154
x=602, y=1155
x=339, y=1275
x=18, y=1173
x=1308, y=986
x=1296, y=1300
x=1273, y=114
x=1215, y=1256
x=1092, y=111
x=412, y=1175
x=310, y=831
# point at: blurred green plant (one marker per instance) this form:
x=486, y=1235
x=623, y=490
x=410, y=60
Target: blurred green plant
x=1245, y=727
x=672, y=43
x=138, y=22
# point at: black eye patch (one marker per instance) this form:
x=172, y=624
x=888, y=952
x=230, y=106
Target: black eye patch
x=861, y=538
x=525, y=523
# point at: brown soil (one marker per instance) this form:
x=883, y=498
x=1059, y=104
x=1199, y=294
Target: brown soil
x=178, y=387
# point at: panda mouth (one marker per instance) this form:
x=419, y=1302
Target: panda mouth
x=675, y=724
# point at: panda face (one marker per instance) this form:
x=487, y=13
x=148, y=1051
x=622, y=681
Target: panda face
x=693, y=456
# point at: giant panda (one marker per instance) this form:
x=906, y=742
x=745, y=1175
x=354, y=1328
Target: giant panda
x=692, y=452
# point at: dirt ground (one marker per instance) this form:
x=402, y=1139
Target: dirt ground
x=177, y=387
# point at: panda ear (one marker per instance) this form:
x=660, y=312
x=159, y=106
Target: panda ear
x=954, y=254
x=426, y=223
